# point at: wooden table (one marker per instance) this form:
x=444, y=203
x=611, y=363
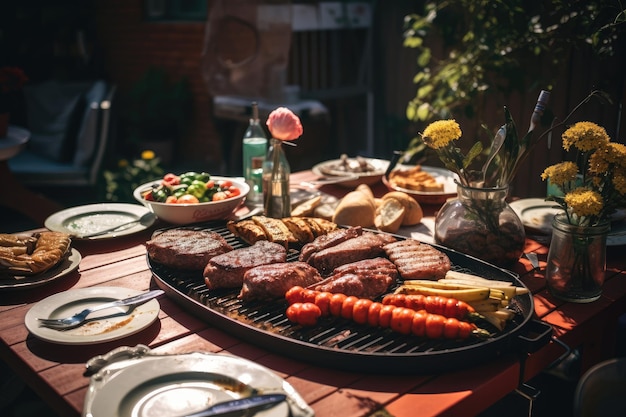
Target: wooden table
x=55, y=372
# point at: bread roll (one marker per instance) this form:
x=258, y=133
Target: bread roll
x=306, y=208
x=357, y=208
x=364, y=188
x=413, y=211
x=389, y=215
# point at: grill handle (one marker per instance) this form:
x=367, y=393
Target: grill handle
x=534, y=335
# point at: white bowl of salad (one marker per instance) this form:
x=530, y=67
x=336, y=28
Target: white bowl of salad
x=192, y=197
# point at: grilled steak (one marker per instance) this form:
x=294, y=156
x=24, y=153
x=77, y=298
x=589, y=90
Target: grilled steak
x=186, y=248
x=227, y=270
x=369, y=278
x=268, y=282
x=331, y=239
x=368, y=245
x=416, y=260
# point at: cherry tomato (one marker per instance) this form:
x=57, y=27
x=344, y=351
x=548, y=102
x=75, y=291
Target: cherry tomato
x=171, y=179
x=305, y=314
x=373, y=314
x=188, y=199
x=309, y=314
x=294, y=295
x=361, y=310
x=347, y=308
x=322, y=300
x=293, y=311
x=418, y=325
x=171, y=199
x=224, y=184
x=385, y=315
x=336, y=304
x=434, y=326
x=308, y=295
x=210, y=184
x=402, y=320
x=451, y=328
x=233, y=191
x=219, y=196
x=148, y=196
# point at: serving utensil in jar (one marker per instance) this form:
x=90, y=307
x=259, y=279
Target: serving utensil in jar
x=80, y=318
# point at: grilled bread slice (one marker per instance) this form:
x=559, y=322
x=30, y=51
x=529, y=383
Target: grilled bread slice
x=320, y=226
x=299, y=227
x=248, y=230
x=275, y=230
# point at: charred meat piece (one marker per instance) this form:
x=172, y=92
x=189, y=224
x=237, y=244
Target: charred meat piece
x=416, y=260
x=227, y=270
x=269, y=282
x=368, y=245
x=331, y=239
x=369, y=278
x=186, y=248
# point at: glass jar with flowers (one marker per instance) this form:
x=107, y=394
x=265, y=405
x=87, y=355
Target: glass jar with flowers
x=284, y=126
x=576, y=260
x=480, y=222
x=12, y=79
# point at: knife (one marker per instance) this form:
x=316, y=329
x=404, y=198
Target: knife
x=247, y=406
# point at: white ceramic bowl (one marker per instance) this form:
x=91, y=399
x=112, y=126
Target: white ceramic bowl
x=194, y=213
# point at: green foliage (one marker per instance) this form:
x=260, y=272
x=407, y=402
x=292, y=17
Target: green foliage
x=120, y=184
x=487, y=45
x=158, y=109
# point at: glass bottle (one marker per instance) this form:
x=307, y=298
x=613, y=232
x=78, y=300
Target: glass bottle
x=276, y=172
x=254, y=149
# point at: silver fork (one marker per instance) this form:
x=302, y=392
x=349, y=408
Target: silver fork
x=79, y=318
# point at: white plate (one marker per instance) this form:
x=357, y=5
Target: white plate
x=64, y=267
x=443, y=176
x=104, y=326
x=93, y=218
x=324, y=169
x=180, y=384
x=537, y=214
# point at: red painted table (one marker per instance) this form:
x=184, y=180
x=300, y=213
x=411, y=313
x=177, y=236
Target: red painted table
x=55, y=372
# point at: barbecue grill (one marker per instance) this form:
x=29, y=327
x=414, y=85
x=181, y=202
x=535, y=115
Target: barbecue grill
x=341, y=344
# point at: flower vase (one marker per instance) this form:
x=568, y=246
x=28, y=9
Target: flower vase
x=480, y=223
x=276, y=171
x=576, y=260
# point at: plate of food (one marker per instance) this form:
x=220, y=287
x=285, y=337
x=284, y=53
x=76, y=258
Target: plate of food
x=94, y=218
x=536, y=215
x=428, y=185
x=103, y=326
x=139, y=382
x=17, y=281
x=351, y=172
x=28, y=259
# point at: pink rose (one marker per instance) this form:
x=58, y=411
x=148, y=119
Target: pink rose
x=284, y=124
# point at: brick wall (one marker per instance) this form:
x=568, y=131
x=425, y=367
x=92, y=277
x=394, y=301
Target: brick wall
x=131, y=45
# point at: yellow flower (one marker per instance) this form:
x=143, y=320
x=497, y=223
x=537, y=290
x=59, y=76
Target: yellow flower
x=147, y=155
x=560, y=173
x=438, y=134
x=619, y=181
x=585, y=136
x=584, y=202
